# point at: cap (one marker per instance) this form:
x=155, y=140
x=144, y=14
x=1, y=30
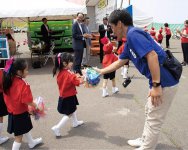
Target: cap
x=104, y=40
x=108, y=48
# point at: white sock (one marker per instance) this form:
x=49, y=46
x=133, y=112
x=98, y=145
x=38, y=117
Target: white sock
x=125, y=72
x=29, y=138
x=1, y=128
x=104, y=90
x=113, y=89
x=16, y=146
x=122, y=70
x=74, y=118
x=62, y=122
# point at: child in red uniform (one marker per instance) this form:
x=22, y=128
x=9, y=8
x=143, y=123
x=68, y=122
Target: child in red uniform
x=3, y=109
x=153, y=33
x=108, y=59
x=124, y=69
x=160, y=36
x=67, y=82
x=17, y=96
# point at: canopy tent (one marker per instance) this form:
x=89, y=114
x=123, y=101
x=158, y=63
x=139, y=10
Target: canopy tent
x=173, y=12
x=140, y=18
x=36, y=8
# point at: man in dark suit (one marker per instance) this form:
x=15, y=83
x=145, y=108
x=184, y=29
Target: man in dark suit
x=45, y=31
x=78, y=42
x=104, y=30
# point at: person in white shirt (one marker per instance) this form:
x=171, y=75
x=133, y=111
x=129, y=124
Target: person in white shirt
x=104, y=30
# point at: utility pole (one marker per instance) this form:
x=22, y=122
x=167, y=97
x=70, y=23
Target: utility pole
x=129, y=2
x=121, y=4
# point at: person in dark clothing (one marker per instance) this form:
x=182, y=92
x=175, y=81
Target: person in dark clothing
x=168, y=35
x=104, y=30
x=78, y=42
x=45, y=31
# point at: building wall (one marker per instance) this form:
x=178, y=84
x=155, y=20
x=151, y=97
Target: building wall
x=91, y=14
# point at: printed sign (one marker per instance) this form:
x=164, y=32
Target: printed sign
x=102, y=4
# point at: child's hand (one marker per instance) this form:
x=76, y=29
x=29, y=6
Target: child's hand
x=31, y=112
x=78, y=75
x=81, y=79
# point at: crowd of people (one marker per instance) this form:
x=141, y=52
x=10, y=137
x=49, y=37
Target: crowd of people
x=137, y=46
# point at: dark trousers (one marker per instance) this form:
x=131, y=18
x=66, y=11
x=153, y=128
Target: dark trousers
x=101, y=51
x=47, y=41
x=160, y=41
x=78, y=54
x=167, y=41
x=185, y=51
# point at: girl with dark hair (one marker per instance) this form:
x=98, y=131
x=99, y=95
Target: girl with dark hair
x=67, y=82
x=168, y=35
x=17, y=96
x=3, y=109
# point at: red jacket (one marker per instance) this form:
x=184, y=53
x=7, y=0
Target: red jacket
x=121, y=48
x=168, y=31
x=108, y=59
x=184, y=39
x=160, y=37
x=18, y=96
x=67, y=82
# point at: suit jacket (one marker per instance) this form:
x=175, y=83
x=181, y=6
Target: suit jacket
x=102, y=31
x=77, y=36
x=44, y=32
x=88, y=40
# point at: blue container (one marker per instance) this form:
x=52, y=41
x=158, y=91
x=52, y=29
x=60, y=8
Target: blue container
x=2, y=43
x=4, y=54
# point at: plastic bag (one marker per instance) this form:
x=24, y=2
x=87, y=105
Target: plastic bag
x=40, y=110
x=92, y=77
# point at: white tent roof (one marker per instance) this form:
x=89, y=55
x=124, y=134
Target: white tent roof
x=35, y=8
x=173, y=12
x=140, y=18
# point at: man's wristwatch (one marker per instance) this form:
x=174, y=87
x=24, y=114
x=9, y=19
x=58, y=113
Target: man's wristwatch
x=156, y=84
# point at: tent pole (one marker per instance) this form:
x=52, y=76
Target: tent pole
x=121, y=4
x=115, y=5
x=129, y=2
x=28, y=23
